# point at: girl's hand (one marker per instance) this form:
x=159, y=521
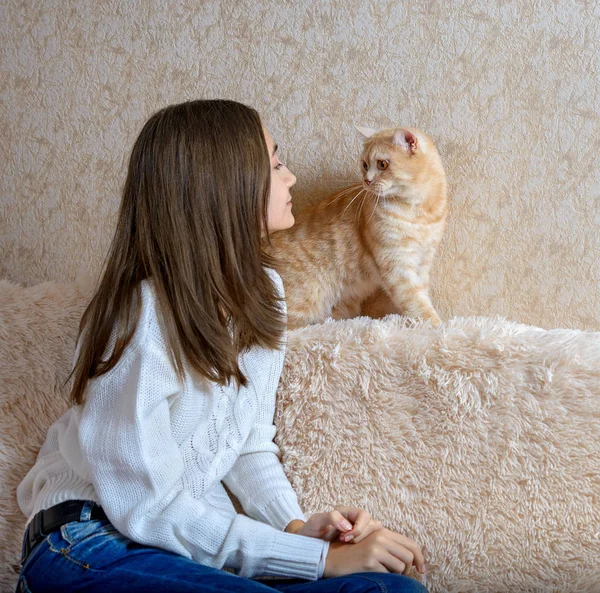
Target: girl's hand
x=382, y=551
x=346, y=524
x=363, y=525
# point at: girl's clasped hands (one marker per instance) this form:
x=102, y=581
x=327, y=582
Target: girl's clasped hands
x=374, y=548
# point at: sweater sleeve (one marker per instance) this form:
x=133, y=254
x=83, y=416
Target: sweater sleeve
x=137, y=471
x=260, y=484
x=257, y=477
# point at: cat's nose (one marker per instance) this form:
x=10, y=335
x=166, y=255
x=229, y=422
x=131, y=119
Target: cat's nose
x=368, y=181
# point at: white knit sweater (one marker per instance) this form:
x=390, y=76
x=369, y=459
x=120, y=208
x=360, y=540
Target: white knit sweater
x=153, y=454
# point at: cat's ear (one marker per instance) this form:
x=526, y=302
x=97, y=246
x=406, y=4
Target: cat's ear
x=405, y=139
x=366, y=132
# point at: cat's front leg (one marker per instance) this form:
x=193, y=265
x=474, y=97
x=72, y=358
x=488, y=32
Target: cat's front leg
x=297, y=319
x=425, y=266
x=409, y=294
x=308, y=303
x=434, y=317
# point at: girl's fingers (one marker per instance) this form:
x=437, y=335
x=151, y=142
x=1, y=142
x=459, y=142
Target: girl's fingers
x=359, y=517
x=339, y=521
x=361, y=522
x=330, y=533
x=404, y=554
x=350, y=513
x=319, y=525
x=393, y=563
x=419, y=558
x=371, y=526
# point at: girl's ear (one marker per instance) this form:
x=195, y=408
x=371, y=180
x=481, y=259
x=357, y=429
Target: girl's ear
x=405, y=139
x=366, y=132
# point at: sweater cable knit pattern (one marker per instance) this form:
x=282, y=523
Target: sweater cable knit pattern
x=154, y=453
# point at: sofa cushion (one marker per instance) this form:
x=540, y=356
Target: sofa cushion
x=479, y=439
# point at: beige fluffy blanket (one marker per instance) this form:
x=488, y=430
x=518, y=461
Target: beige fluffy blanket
x=479, y=439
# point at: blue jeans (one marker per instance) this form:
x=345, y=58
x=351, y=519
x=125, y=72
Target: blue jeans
x=92, y=556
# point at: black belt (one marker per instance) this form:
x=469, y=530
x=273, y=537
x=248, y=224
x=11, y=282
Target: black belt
x=51, y=519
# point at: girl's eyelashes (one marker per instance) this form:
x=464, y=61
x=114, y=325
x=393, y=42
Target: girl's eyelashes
x=278, y=166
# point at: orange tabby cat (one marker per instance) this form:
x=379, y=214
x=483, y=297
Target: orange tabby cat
x=370, y=241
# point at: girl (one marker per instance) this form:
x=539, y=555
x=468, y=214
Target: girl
x=177, y=363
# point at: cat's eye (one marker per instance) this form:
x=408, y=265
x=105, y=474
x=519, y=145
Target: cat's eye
x=383, y=165
x=365, y=166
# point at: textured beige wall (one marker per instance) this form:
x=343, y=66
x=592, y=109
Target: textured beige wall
x=509, y=90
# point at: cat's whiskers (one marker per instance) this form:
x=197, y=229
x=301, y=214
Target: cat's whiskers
x=352, y=200
x=379, y=195
x=343, y=193
x=367, y=196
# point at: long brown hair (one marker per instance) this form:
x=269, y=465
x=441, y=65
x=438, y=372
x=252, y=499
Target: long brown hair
x=193, y=210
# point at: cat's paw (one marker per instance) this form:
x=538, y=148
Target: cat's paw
x=434, y=320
